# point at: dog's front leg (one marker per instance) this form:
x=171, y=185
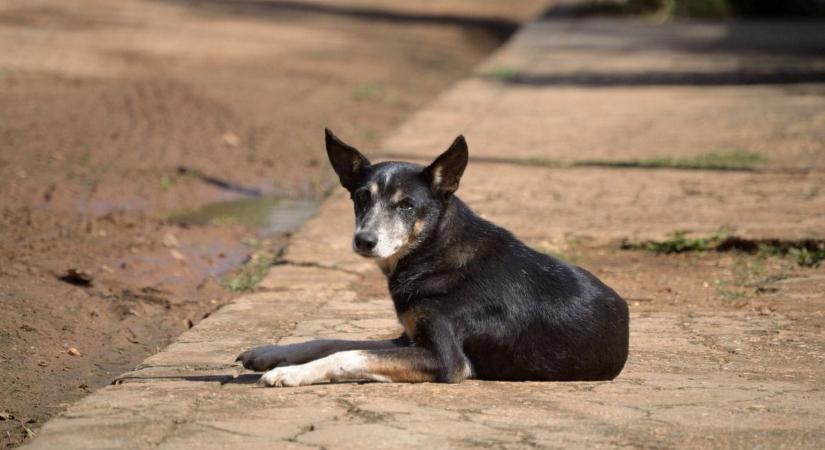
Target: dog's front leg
x=438, y=335
x=409, y=364
x=271, y=356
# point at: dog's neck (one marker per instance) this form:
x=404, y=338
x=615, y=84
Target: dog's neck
x=388, y=265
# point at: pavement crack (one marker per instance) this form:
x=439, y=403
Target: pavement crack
x=224, y=430
x=363, y=414
x=304, y=430
x=318, y=266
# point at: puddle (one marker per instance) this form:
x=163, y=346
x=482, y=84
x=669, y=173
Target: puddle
x=269, y=215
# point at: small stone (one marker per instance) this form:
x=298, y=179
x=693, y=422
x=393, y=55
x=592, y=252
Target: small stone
x=170, y=241
x=73, y=351
x=177, y=255
x=231, y=139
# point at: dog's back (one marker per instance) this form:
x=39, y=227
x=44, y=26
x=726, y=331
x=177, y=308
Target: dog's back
x=519, y=314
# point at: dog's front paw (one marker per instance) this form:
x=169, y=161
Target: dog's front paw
x=264, y=358
x=284, y=377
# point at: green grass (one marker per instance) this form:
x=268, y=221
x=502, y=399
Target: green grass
x=803, y=253
x=368, y=91
x=166, y=183
x=807, y=257
x=679, y=242
x=733, y=160
x=502, y=73
x=811, y=255
x=253, y=271
x=729, y=294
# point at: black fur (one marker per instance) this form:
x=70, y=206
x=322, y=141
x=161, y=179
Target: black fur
x=515, y=313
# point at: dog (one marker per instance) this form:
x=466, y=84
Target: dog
x=474, y=301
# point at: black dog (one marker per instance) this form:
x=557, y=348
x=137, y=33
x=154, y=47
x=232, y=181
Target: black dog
x=474, y=301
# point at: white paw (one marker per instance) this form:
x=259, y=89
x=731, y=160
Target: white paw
x=284, y=377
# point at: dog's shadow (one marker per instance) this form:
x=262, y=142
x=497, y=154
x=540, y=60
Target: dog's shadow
x=244, y=378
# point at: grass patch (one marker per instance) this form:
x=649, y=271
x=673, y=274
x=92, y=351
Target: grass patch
x=807, y=257
x=679, y=242
x=166, y=183
x=729, y=294
x=254, y=270
x=367, y=91
x=735, y=160
x=805, y=253
x=503, y=73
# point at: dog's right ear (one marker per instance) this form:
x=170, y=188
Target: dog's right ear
x=348, y=162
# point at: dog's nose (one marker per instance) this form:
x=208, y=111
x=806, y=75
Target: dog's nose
x=365, y=241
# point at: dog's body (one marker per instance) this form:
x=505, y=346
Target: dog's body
x=473, y=300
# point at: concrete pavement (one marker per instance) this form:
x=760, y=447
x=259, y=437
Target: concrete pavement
x=563, y=91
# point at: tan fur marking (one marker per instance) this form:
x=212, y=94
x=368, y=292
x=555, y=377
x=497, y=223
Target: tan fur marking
x=461, y=255
x=387, y=265
x=374, y=188
x=397, y=196
x=409, y=319
x=437, y=176
x=418, y=227
x=401, y=372
x=409, y=368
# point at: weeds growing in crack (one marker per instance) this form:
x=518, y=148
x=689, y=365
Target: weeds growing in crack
x=254, y=270
x=805, y=253
x=502, y=73
x=734, y=160
x=679, y=242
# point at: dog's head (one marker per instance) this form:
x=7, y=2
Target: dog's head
x=397, y=205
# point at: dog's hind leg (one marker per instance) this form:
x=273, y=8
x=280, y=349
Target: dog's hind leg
x=410, y=364
x=271, y=356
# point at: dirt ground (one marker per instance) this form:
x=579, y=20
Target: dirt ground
x=117, y=114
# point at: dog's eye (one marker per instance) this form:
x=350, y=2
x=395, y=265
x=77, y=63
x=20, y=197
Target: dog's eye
x=405, y=205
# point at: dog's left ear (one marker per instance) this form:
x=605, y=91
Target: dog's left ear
x=445, y=172
x=348, y=162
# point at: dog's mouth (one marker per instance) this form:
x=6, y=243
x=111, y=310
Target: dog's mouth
x=365, y=253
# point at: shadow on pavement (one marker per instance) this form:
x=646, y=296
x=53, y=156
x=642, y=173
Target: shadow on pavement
x=502, y=28
x=733, y=52
x=730, y=78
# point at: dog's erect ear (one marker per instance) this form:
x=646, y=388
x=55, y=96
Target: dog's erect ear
x=348, y=162
x=445, y=172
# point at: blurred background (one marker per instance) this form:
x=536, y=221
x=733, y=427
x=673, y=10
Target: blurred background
x=156, y=154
